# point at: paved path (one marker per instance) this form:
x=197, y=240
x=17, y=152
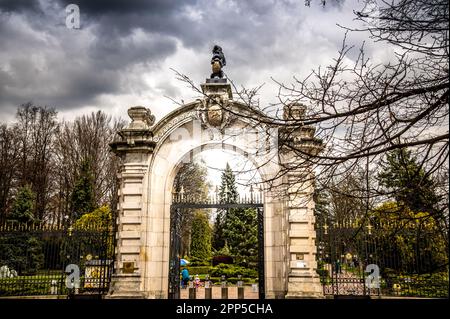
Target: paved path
x=217, y=293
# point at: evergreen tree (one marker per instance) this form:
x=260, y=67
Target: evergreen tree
x=228, y=191
x=227, y=194
x=24, y=252
x=403, y=177
x=236, y=227
x=200, y=238
x=82, y=199
x=22, y=209
x=218, y=238
x=241, y=233
x=35, y=255
x=405, y=180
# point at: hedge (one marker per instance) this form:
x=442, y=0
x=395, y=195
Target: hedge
x=194, y=270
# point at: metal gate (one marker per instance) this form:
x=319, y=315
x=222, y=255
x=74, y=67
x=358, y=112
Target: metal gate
x=180, y=203
x=342, y=261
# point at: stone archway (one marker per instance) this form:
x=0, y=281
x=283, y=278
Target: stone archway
x=150, y=155
x=179, y=205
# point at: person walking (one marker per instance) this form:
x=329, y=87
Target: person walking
x=185, y=277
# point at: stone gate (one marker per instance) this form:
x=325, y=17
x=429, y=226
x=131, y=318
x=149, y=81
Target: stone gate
x=151, y=153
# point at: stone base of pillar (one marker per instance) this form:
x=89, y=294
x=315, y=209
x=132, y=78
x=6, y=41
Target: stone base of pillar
x=304, y=286
x=125, y=286
x=276, y=295
x=157, y=294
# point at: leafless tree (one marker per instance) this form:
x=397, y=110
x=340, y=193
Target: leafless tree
x=9, y=155
x=36, y=129
x=361, y=110
x=87, y=139
x=45, y=154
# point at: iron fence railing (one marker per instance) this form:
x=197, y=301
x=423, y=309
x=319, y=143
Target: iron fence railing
x=37, y=259
x=404, y=261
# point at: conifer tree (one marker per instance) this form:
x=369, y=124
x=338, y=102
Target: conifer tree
x=227, y=194
x=82, y=199
x=236, y=226
x=241, y=233
x=406, y=180
x=22, y=210
x=200, y=238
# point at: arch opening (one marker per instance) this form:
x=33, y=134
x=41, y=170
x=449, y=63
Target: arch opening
x=226, y=202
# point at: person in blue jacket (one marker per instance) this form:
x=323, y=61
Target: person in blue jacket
x=184, y=277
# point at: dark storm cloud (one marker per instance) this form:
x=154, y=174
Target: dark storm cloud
x=104, y=7
x=18, y=6
x=119, y=41
x=116, y=17
x=78, y=69
x=117, y=52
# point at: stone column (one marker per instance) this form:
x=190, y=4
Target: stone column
x=135, y=147
x=303, y=280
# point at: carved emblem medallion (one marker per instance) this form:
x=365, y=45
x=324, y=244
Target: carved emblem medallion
x=215, y=115
x=212, y=111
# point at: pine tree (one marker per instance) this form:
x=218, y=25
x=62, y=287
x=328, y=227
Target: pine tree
x=237, y=227
x=227, y=194
x=200, y=238
x=228, y=191
x=241, y=233
x=22, y=210
x=82, y=199
x=403, y=177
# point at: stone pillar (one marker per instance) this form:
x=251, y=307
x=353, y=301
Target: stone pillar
x=275, y=241
x=303, y=280
x=135, y=147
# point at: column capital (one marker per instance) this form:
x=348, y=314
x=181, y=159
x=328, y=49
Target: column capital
x=136, y=137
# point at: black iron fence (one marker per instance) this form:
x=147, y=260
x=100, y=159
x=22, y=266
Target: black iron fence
x=47, y=260
x=382, y=259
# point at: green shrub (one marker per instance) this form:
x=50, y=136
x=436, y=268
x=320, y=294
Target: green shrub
x=233, y=271
x=229, y=271
x=22, y=253
x=222, y=259
x=414, y=285
x=233, y=280
x=198, y=270
x=196, y=262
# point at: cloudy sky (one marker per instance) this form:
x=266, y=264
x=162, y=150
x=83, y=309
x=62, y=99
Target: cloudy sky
x=123, y=52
